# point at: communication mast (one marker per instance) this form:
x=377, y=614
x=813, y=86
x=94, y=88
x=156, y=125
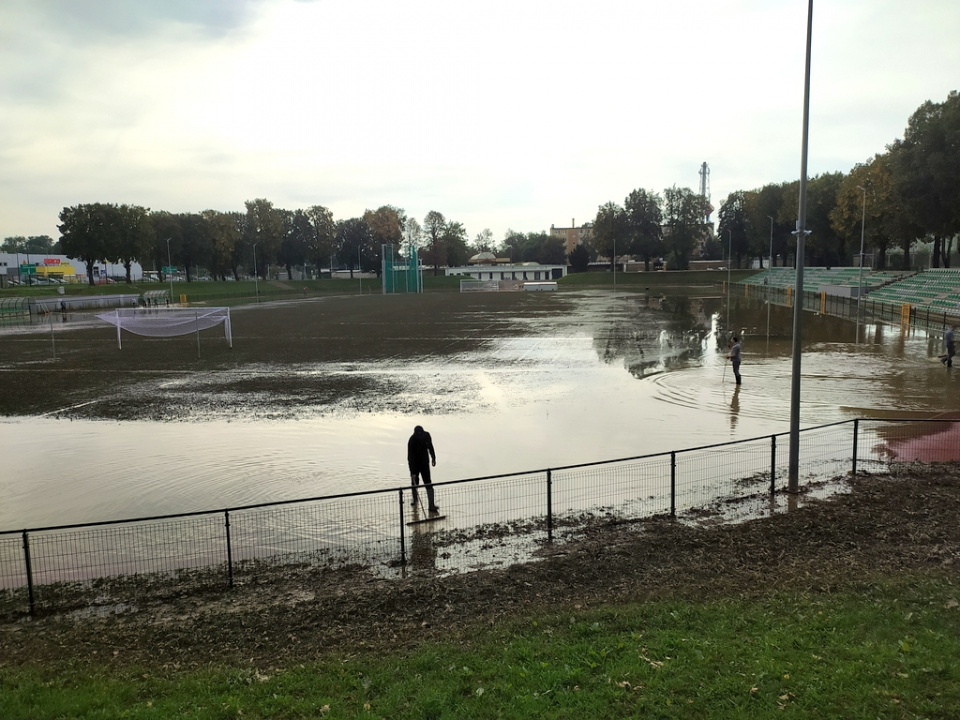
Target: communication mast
x=705, y=189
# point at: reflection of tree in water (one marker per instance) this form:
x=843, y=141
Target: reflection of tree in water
x=653, y=334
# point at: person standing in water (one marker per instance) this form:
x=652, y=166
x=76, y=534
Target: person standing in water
x=420, y=457
x=734, y=357
x=949, y=346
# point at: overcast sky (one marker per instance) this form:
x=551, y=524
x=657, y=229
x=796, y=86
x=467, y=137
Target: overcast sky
x=500, y=115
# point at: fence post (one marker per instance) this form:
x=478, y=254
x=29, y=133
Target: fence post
x=226, y=522
x=26, y=557
x=403, y=536
x=856, y=429
x=549, y=505
x=673, y=483
x=773, y=464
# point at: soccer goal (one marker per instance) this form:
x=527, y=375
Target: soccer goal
x=168, y=322
x=479, y=286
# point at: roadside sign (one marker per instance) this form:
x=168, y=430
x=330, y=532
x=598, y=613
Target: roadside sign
x=169, y=270
x=28, y=269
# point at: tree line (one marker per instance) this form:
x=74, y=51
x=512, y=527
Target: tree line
x=909, y=193
x=232, y=244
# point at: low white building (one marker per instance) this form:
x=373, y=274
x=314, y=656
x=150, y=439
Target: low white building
x=518, y=271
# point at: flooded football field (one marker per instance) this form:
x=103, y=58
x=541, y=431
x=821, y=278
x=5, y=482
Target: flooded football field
x=301, y=407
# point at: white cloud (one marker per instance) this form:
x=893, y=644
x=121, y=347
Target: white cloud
x=500, y=115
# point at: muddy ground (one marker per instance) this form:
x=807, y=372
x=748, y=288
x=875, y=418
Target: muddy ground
x=77, y=371
x=904, y=522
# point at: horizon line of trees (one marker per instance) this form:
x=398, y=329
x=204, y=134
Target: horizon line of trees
x=247, y=243
x=910, y=192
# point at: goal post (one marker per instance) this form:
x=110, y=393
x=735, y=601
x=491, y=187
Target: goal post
x=168, y=322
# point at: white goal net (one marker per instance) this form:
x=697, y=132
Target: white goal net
x=168, y=322
x=479, y=286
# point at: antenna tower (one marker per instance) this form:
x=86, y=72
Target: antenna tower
x=705, y=189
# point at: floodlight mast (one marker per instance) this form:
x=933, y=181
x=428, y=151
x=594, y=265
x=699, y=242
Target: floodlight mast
x=793, y=483
x=170, y=265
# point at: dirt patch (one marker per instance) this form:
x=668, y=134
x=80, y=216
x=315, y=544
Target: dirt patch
x=285, y=357
x=905, y=521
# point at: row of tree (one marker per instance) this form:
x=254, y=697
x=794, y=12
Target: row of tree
x=907, y=194
x=231, y=244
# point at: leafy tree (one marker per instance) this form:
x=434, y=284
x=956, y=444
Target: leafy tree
x=645, y=216
x=734, y=228
x=39, y=244
x=413, y=233
x=293, y=247
x=761, y=207
x=386, y=225
x=543, y=248
x=822, y=245
x=322, y=241
x=434, y=226
x=168, y=238
x=869, y=202
x=265, y=229
x=684, y=211
x=579, y=259
x=136, y=239
x=927, y=171
x=90, y=233
x=353, y=239
x=196, y=246
x=513, y=245
x=454, y=240
x=611, y=231
x=226, y=231
x=483, y=242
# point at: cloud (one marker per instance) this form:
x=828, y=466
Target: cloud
x=500, y=115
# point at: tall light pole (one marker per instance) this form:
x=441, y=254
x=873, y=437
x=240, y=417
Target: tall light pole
x=770, y=266
x=256, y=275
x=793, y=479
x=614, y=266
x=863, y=222
x=169, y=265
x=729, y=264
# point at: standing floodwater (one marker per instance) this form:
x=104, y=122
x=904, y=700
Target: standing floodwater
x=314, y=396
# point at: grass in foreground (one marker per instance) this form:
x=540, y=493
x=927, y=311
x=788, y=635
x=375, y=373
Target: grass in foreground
x=883, y=649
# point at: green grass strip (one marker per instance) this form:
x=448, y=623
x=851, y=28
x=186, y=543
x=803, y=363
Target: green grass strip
x=886, y=649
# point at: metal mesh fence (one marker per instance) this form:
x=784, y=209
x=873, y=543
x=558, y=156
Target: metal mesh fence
x=482, y=522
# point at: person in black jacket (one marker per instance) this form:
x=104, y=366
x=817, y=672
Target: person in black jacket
x=420, y=456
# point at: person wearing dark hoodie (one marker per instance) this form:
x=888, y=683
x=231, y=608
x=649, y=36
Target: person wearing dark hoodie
x=420, y=456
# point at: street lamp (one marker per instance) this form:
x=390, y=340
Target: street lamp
x=256, y=275
x=729, y=263
x=863, y=221
x=169, y=265
x=770, y=266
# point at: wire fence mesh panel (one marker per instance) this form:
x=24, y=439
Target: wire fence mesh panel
x=136, y=553
x=492, y=522
x=325, y=533
x=13, y=571
x=708, y=475
x=481, y=522
x=624, y=490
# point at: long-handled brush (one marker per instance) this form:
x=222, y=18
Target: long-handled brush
x=427, y=519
